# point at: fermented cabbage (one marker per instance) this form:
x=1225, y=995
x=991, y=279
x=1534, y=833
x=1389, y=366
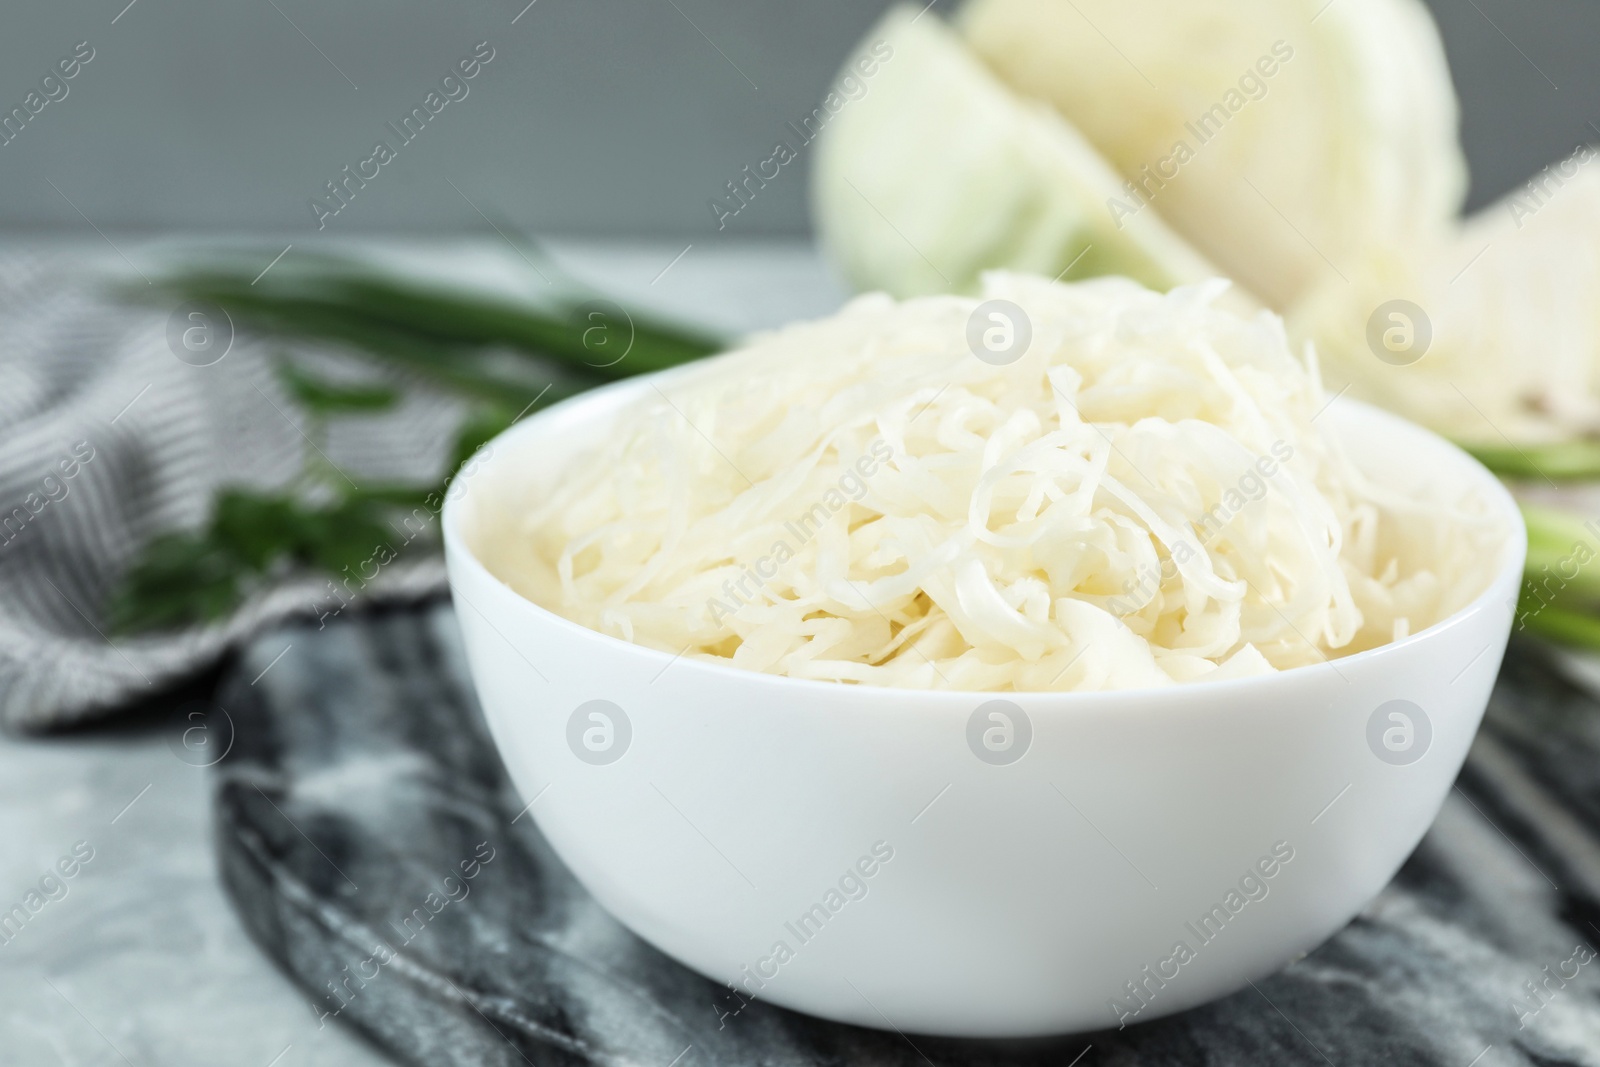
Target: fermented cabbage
x=1053, y=487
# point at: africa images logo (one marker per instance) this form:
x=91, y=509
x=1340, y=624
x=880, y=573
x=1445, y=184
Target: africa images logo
x=599, y=732
x=999, y=732
x=1399, y=732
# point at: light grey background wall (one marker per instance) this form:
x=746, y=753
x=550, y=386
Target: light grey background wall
x=593, y=117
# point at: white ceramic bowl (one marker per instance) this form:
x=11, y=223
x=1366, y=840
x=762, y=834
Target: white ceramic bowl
x=913, y=884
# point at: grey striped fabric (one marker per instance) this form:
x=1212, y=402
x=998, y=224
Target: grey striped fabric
x=107, y=438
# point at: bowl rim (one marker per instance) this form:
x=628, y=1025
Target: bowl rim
x=613, y=394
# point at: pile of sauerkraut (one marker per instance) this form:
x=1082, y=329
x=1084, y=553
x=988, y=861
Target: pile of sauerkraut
x=1151, y=493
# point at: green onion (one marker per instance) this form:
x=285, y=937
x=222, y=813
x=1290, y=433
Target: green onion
x=1565, y=461
x=505, y=356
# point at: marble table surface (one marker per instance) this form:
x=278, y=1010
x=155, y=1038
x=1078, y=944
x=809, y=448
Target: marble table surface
x=361, y=777
x=141, y=962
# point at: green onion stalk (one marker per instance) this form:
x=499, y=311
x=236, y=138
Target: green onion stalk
x=1560, y=597
x=503, y=356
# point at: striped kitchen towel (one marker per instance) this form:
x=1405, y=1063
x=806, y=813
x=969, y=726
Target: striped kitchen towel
x=112, y=431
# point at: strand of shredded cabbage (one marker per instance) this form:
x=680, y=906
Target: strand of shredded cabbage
x=1143, y=498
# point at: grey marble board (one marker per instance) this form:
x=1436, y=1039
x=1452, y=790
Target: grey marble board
x=361, y=787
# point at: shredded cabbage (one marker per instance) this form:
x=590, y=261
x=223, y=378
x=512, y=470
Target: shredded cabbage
x=1143, y=497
